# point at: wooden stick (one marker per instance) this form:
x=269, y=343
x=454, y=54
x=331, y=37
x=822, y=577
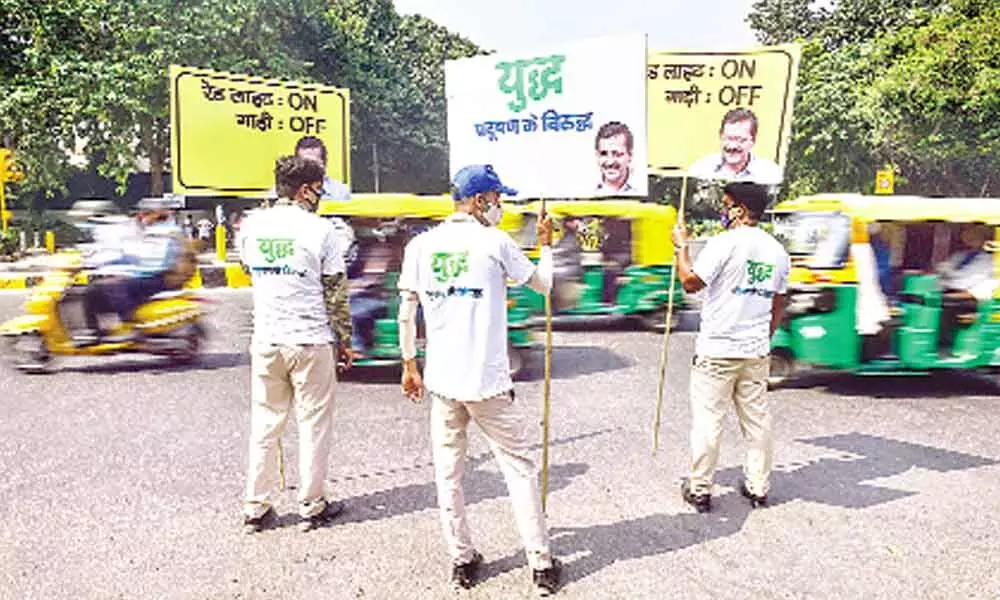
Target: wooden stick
x=666, y=333
x=281, y=467
x=546, y=389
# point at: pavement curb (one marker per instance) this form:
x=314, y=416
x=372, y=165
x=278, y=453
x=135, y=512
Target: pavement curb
x=206, y=276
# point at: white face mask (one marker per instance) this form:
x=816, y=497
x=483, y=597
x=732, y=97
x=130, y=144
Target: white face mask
x=493, y=215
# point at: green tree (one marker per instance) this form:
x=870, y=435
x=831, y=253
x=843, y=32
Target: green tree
x=395, y=69
x=95, y=71
x=833, y=24
x=935, y=102
x=830, y=148
x=900, y=81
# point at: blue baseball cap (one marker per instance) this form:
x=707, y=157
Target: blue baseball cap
x=478, y=179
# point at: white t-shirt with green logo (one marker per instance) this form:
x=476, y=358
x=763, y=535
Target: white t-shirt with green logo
x=743, y=269
x=287, y=250
x=460, y=270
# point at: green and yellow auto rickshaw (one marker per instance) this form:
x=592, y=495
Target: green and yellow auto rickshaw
x=378, y=227
x=613, y=259
x=890, y=285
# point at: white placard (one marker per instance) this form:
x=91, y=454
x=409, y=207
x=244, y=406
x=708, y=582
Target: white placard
x=554, y=123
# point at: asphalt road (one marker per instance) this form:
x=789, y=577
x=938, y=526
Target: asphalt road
x=121, y=478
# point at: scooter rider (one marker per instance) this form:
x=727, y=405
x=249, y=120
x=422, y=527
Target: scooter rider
x=161, y=259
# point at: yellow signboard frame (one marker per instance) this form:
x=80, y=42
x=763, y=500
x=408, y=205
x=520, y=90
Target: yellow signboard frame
x=689, y=93
x=227, y=129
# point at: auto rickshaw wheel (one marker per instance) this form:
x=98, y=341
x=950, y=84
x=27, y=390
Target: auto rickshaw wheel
x=655, y=320
x=26, y=352
x=192, y=337
x=782, y=367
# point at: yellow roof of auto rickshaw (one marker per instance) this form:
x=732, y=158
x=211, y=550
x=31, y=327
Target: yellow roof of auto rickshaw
x=603, y=208
x=389, y=205
x=899, y=208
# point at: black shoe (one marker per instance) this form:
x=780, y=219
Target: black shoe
x=755, y=500
x=465, y=575
x=258, y=524
x=701, y=502
x=323, y=518
x=547, y=580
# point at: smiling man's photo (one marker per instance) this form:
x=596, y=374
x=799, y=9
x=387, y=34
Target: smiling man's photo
x=735, y=160
x=614, y=144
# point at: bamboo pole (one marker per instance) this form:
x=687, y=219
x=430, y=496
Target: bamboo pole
x=546, y=389
x=666, y=334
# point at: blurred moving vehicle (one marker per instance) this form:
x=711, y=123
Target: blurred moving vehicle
x=613, y=258
x=169, y=324
x=137, y=272
x=378, y=228
x=889, y=285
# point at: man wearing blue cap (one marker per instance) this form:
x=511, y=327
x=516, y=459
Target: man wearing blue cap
x=458, y=272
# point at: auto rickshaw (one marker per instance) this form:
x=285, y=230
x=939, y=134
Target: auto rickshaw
x=613, y=259
x=381, y=226
x=868, y=293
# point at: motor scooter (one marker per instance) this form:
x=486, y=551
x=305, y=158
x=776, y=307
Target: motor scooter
x=168, y=324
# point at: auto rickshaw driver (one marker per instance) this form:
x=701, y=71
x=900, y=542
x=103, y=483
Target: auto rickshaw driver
x=367, y=284
x=967, y=278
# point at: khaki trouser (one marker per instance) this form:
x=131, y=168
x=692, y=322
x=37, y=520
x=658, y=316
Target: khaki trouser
x=279, y=376
x=505, y=429
x=715, y=383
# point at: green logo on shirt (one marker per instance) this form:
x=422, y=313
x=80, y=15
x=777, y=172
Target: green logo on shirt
x=449, y=265
x=759, y=271
x=276, y=248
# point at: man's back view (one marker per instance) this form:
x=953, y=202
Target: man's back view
x=744, y=272
x=300, y=310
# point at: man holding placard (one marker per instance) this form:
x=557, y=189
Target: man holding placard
x=744, y=271
x=458, y=273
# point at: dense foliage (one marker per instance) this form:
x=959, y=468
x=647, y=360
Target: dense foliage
x=92, y=75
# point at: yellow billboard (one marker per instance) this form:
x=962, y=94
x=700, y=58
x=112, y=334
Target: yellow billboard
x=228, y=129
x=721, y=115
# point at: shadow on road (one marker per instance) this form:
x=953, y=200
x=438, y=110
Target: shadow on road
x=159, y=365
x=567, y=362
x=573, y=361
x=939, y=384
x=479, y=485
x=839, y=481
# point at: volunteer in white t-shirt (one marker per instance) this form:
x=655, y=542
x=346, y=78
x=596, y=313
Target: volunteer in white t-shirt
x=458, y=272
x=744, y=272
x=300, y=311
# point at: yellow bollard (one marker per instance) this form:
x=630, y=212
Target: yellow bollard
x=50, y=242
x=220, y=243
x=4, y=214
